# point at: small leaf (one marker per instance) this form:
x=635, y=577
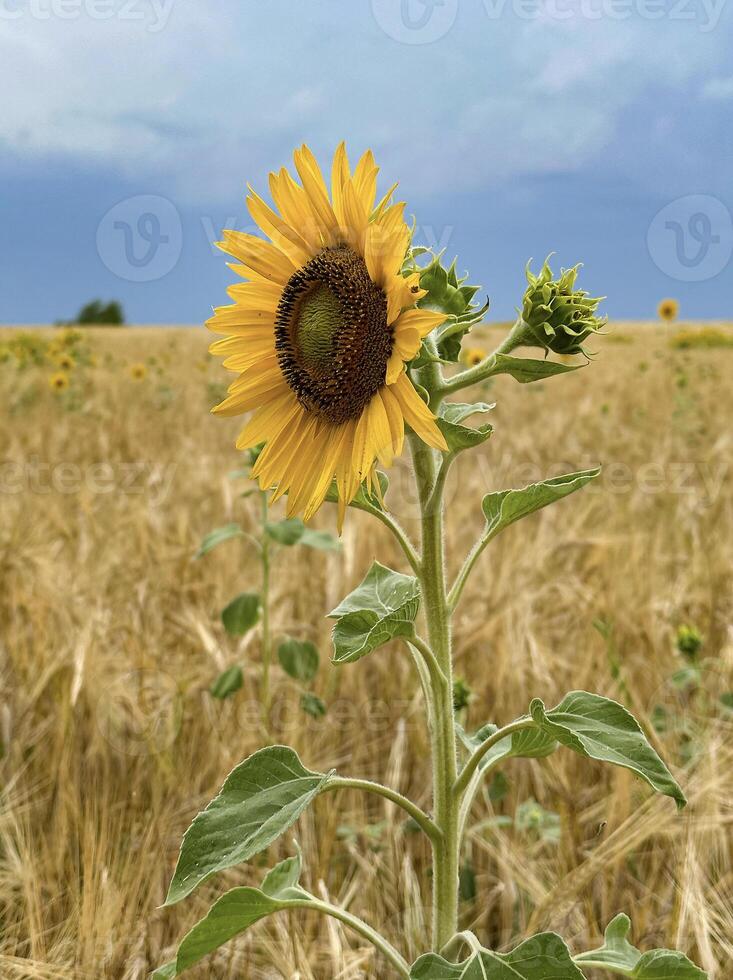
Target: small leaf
x=619, y=956
x=241, y=614
x=543, y=957
x=299, y=659
x=601, y=729
x=383, y=607
x=363, y=500
x=237, y=910
x=312, y=705
x=260, y=799
x=457, y=435
x=293, y=531
x=227, y=683
x=507, y=506
x=528, y=369
x=217, y=537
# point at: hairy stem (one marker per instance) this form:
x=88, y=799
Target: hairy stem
x=363, y=929
x=266, y=638
x=419, y=816
x=482, y=371
x=443, y=736
x=474, y=762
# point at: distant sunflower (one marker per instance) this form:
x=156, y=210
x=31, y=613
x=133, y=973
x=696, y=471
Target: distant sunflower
x=65, y=362
x=473, y=356
x=320, y=332
x=59, y=381
x=138, y=371
x=668, y=310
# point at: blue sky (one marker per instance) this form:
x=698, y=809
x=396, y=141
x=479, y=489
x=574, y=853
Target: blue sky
x=515, y=128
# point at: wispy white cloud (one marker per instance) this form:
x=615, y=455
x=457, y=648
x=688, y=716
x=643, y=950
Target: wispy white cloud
x=221, y=91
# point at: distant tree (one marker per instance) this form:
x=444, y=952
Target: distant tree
x=97, y=312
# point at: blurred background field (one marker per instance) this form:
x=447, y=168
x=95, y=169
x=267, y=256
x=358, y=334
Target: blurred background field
x=111, y=473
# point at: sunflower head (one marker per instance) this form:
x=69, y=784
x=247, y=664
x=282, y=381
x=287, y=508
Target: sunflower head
x=58, y=381
x=138, y=371
x=64, y=362
x=471, y=356
x=321, y=330
x=668, y=310
x=555, y=315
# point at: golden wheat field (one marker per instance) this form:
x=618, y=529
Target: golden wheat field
x=110, y=639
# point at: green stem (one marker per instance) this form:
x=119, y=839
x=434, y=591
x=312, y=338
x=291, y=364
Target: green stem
x=266, y=638
x=366, y=785
x=473, y=763
x=484, y=370
x=443, y=735
x=361, y=927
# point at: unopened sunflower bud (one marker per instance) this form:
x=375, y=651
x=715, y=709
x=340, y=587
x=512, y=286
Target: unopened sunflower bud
x=555, y=315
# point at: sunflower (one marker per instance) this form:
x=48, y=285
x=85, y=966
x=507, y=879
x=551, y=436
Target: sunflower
x=138, y=371
x=58, y=381
x=65, y=362
x=668, y=310
x=473, y=356
x=320, y=331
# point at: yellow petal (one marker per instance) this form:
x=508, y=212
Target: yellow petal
x=239, y=319
x=395, y=367
x=380, y=435
x=258, y=295
x=245, y=399
x=267, y=422
x=292, y=203
x=355, y=217
x=266, y=259
x=402, y=291
x=365, y=181
x=417, y=414
x=286, y=238
x=423, y=321
x=395, y=418
x=340, y=173
x=315, y=187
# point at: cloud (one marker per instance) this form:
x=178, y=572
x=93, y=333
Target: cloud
x=204, y=96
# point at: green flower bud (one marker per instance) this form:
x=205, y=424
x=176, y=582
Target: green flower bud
x=555, y=315
x=689, y=642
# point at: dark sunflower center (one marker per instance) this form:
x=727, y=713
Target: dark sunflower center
x=331, y=335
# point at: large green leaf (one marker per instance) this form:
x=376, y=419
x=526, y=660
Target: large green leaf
x=299, y=659
x=543, y=957
x=241, y=614
x=602, y=729
x=528, y=369
x=619, y=956
x=235, y=912
x=217, y=537
x=460, y=436
x=383, y=607
x=507, y=506
x=259, y=800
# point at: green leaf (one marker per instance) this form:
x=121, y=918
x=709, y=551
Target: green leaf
x=530, y=743
x=619, y=956
x=457, y=435
x=528, y=369
x=312, y=705
x=227, y=683
x=363, y=500
x=507, y=506
x=239, y=909
x=293, y=531
x=299, y=659
x=260, y=799
x=543, y=957
x=241, y=614
x=217, y=537
x=383, y=607
x=601, y=729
